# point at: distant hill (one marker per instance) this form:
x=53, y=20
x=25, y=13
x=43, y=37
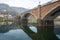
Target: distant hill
x=11, y=10
x=19, y=9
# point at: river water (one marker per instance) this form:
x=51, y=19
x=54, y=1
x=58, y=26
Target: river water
x=15, y=32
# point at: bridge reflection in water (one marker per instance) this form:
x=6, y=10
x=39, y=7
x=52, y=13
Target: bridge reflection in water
x=45, y=27
x=43, y=33
x=45, y=21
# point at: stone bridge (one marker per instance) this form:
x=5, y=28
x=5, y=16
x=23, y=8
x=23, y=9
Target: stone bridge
x=45, y=15
x=45, y=12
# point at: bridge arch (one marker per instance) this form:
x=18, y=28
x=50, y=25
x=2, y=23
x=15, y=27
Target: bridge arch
x=52, y=14
x=29, y=16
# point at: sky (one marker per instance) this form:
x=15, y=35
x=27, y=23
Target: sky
x=24, y=3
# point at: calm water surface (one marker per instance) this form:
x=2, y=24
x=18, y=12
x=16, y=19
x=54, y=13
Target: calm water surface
x=14, y=32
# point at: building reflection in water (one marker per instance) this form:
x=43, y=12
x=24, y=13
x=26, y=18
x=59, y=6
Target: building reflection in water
x=7, y=27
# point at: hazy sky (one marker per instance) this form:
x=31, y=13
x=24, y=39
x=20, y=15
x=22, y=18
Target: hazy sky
x=24, y=3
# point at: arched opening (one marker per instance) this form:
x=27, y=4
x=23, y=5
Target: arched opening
x=53, y=16
x=29, y=18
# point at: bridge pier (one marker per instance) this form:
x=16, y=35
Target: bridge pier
x=46, y=30
x=44, y=23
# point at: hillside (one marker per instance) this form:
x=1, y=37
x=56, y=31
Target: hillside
x=11, y=10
